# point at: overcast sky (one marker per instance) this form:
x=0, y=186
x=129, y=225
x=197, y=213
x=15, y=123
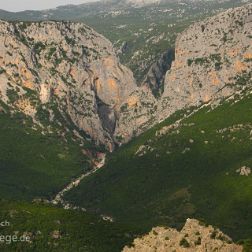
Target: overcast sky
x=19, y=5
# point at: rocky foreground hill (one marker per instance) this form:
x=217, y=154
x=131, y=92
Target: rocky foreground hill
x=194, y=237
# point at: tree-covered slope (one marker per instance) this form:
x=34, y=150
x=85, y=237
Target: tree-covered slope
x=33, y=163
x=55, y=229
x=198, y=168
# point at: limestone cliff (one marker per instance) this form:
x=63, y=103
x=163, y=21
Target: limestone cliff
x=67, y=65
x=156, y=74
x=213, y=61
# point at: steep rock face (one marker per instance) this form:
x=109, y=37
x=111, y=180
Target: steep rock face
x=194, y=237
x=211, y=56
x=137, y=114
x=156, y=74
x=68, y=65
x=213, y=60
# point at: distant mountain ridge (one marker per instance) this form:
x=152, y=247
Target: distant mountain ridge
x=70, y=12
x=121, y=22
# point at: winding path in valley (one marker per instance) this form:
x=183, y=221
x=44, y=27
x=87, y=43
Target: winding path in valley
x=59, y=198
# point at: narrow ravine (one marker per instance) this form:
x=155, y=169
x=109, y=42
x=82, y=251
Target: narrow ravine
x=59, y=198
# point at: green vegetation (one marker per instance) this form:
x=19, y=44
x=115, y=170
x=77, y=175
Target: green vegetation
x=201, y=61
x=2, y=70
x=51, y=52
x=225, y=37
x=213, y=234
x=184, y=243
x=248, y=60
x=70, y=41
x=189, y=62
x=198, y=242
x=239, y=23
x=191, y=172
x=32, y=164
x=55, y=229
x=206, y=61
x=198, y=61
x=247, y=245
x=243, y=79
x=12, y=95
x=38, y=47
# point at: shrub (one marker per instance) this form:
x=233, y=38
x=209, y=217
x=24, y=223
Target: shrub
x=189, y=62
x=38, y=47
x=198, y=242
x=184, y=243
x=213, y=234
x=155, y=232
x=2, y=70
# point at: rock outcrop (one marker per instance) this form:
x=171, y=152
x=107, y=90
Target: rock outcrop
x=194, y=237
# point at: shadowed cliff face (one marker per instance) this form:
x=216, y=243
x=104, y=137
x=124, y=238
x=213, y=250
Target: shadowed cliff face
x=156, y=74
x=107, y=116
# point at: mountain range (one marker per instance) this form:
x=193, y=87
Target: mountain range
x=140, y=34
x=84, y=141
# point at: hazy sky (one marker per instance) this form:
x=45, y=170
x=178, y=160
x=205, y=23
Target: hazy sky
x=19, y=5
